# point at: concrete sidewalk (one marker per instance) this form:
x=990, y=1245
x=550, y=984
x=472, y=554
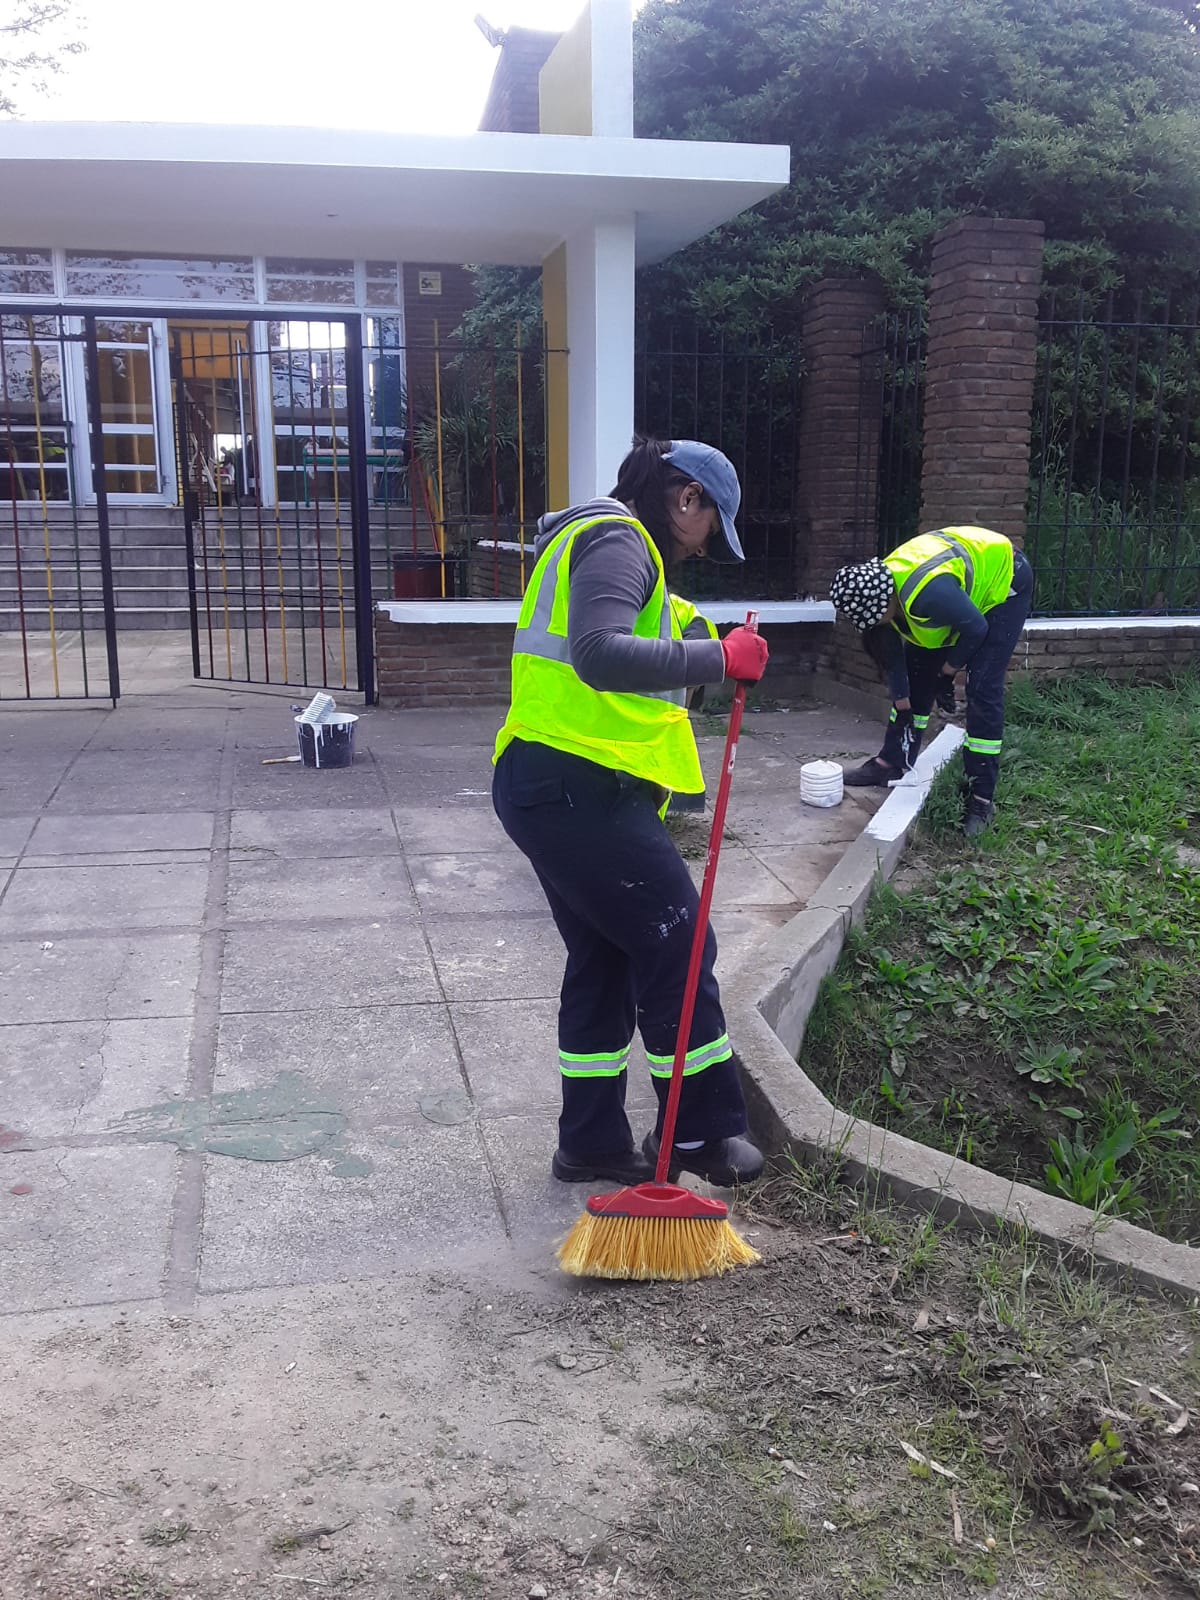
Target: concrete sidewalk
x=264, y=1026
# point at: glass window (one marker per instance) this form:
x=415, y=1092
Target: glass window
x=33, y=421
x=386, y=397
x=383, y=283
x=119, y=277
x=26, y=272
x=293, y=282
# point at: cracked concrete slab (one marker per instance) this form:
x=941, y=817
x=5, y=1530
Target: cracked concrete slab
x=745, y=879
x=272, y=889
x=28, y=781
x=65, y=1078
x=414, y=1196
x=92, y=1227
x=509, y=957
x=503, y=881
x=98, y=975
x=14, y=834
x=125, y=781
x=440, y=775
x=58, y=898
x=376, y=1063
x=466, y=823
x=305, y=833
x=327, y=964
x=121, y=833
x=294, y=786
x=802, y=867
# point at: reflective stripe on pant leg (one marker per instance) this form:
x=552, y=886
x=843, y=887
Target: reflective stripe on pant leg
x=982, y=747
x=599, y=1064
x=705, y=1055
x=920, y=723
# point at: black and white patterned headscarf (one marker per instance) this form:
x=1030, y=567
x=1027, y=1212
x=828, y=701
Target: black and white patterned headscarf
x=863, y=593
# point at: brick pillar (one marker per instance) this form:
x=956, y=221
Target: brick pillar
x=838, y=446
x=979, y=374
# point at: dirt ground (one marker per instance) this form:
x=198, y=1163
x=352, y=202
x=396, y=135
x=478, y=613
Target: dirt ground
x=498, y=1431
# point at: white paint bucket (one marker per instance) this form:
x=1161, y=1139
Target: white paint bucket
x=821, y=783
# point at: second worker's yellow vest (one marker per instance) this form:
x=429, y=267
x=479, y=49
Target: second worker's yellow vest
x=982, y=561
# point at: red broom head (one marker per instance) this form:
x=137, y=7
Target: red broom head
x=661, y=1201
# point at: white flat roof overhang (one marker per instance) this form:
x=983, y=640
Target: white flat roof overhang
x=498, y=198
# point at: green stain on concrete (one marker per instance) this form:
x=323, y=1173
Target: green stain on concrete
x=282, y=1121
x=346, y=1165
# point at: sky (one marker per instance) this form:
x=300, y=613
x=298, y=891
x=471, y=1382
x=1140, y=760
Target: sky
x=405, y=66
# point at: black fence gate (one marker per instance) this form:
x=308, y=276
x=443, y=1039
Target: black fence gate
x=279, y=573
x=58, y=638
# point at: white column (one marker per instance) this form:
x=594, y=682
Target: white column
x=600, y=262
x=612, y=69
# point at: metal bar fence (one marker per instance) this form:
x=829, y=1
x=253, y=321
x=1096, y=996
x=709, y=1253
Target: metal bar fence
x=889, y=431
x=742, y=395
x=1114, y=507
x=57, y=624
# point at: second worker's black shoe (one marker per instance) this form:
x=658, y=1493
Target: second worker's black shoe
x=723, y=1162
x=873, y=774
x=978, y=818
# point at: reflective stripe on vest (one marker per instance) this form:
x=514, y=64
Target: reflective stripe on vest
x=646, y=735
x=980, y=560
x=544, y=632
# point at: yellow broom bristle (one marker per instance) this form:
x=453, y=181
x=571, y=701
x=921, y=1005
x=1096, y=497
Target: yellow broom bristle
x=669, y=1248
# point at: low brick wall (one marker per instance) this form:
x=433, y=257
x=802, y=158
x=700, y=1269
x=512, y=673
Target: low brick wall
x=451, y=664
x=442, y=665
x=1137, y=648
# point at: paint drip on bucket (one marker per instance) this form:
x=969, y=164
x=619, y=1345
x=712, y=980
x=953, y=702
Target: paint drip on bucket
x=325, y=734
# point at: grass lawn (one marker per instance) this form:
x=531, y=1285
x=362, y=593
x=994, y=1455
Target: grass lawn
x=1032, y=1003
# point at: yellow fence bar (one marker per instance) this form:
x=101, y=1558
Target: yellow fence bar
x=36, y=376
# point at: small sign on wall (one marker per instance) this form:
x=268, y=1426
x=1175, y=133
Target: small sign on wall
x=429, y=283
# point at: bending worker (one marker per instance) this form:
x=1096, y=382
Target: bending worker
x=941, y=602
x=596, y=739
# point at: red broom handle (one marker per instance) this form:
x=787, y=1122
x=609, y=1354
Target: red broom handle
x=670, y=1115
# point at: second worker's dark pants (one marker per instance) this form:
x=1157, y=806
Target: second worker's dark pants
x=986, y=675
x=625, y=905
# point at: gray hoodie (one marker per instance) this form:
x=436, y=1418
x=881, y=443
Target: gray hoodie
x=612, y=577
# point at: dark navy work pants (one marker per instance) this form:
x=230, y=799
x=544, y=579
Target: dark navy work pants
x=625, y=905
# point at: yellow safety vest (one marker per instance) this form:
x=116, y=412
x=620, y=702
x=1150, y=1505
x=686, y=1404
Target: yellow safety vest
x=686, y=612
x=646, y=735
x=982, y=561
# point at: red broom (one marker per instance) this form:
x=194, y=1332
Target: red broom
x=660, y=1230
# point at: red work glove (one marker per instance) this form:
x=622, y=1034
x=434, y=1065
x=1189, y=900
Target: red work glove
x=745, y=655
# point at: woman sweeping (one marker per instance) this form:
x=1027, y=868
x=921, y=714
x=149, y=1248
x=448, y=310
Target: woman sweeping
x=941, y=602
x=596, y=739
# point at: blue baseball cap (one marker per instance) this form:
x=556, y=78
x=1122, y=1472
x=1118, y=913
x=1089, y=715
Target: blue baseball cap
x=715, y=475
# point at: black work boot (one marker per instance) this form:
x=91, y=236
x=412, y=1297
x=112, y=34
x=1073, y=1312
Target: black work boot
x=626, y=1167
x=723, y=1162
x=873, y=774
x=978, y=816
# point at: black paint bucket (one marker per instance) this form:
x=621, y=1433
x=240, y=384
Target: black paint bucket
x=329, y=743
